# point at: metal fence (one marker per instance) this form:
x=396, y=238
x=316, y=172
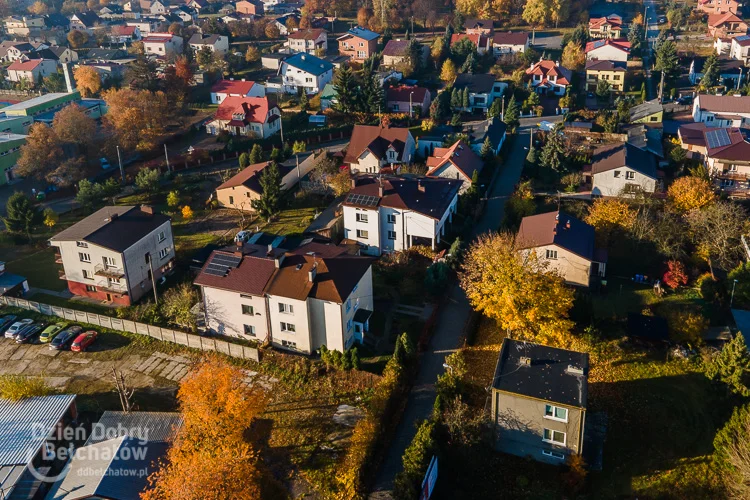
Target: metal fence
x=124, y=325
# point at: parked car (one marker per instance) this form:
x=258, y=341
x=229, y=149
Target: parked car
x=11, y=332
x=27, y=334
x=83, y=341
x=6, y=321
x=64, y=338
x=662, y=20
x=104, y=163
x=51, y=332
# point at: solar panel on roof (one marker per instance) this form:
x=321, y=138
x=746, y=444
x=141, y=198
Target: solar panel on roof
x=717, y=138
x=362, y=200
x=228, y=260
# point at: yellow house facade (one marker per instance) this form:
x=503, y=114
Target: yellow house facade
x=613, y=72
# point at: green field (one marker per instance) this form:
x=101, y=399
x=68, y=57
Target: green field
x=40, y=270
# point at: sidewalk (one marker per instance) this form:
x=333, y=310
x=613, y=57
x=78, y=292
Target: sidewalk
x=449, y=328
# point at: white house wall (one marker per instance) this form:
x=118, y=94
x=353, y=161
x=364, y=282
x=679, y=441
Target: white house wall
x=606, y=184
x=371, y=226
x=224, y=313
x=300, y=319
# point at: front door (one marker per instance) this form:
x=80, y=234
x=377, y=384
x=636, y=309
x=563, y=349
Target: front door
x=109, y=297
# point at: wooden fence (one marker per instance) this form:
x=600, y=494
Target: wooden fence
x=164, y=334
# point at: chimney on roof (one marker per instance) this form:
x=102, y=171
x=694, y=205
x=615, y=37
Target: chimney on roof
x=420, y=186
x=354, y=182
x=270, y=249
x=312, y=273
x=567, y=224
x=278, y=260
x=524, y=361
x=574, y=370
x=113, y=217
x=147, y=209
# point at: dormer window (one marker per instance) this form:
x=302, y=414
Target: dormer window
x=238, y=116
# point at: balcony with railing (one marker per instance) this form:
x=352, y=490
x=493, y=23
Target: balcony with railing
x=58, y=258
x=108, y=271
x=61, y=274
x=112, y=287
x=733, y=175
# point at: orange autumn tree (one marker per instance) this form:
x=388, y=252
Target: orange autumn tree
x=518, y=290
x=609, y=216
x=211, y=456
x=690, y=193
x=88, y=81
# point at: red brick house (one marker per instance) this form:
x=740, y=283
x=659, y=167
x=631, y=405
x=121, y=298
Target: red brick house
x=358, y=43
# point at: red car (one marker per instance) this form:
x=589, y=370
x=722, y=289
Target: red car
x=83, y=341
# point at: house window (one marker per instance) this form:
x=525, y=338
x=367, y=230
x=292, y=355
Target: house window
x=162, y=236
x=84, y=257
x=249, y=310
x=552, y=254
x=286, y=308
x=391, y=218
x=289, y=343
x=361, y=217
x=391, y=235
x=553, y=454
x=556, y=413
x=109, y=261
x=732, y=168
x=82, y=244
x=308, y=80
x=617, y=174
x=616, y=77
x=348, y=305
x=231, y=200
x=90, y=288
x=652, y=119
x=395, y=108
x=287, y=327
x=363, y=234
x=630, y=175
x=163, y=253
x=556, y=437
x=87, y=275
x=348, y=325
x=249, y=330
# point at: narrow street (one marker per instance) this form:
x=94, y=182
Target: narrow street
x=652, y=32
x=453, y=316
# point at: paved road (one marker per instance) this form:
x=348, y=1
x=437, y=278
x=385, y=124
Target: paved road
x=453, y=317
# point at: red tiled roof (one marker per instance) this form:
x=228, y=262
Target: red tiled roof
x=236, y=87
x=716, y=20
x=735, y=137
x=363, y=137
x=460, y=155
x=401, y=93
x=623, y=45
x=692, y=134
x=306, y=34
x=25, y=65
x=123, y=30
x=724, y=103
x=548, y=68
x=598, y=22
x=475, y=38
x=736, y=152
x=255, y=109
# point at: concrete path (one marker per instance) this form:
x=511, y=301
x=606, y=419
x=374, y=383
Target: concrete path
x=450, y=325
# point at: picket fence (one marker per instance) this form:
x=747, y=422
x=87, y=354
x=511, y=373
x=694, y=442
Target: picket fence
x=124, y=325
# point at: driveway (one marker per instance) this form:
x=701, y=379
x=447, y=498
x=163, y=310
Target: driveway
x=453, y=317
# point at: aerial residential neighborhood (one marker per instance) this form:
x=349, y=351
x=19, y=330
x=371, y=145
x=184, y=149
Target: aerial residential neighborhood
x=388, y=251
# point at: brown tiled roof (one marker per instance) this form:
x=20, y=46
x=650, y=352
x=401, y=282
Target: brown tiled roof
x=306, y=34
x=250, y=276
x=598, y=22
x=364, y=137
x=255, y=109
x=460, y=155
x=736, y=152
x=716, y=20
x=395, y=48
x=724, y=103
x=557, y=228
x=401, y=94
x=511, y=38
x=692, y=134
x=334, y=281
x=404, y=193
x=238, y=87
x=604, y=65
x=250, y=177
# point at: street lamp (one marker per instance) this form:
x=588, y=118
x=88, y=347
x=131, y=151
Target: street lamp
x=410, y=105
x=448, y=367
x=734, y=284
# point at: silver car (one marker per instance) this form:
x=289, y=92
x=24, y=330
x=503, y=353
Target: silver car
x=11, y=332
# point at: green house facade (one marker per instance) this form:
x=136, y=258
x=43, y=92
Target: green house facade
x=10, y=151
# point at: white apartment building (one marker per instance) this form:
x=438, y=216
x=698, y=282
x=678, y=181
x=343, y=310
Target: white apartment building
x=112, y=254
x=722, y=110
x=309, y=41
x=316, y=295
x=391, y=214
x=162, y=44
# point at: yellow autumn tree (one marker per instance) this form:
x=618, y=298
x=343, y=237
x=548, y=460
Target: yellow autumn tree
x=211, y=457
x=448, y=71
x=518, y=290
x=573, y=57
x=187, y=212
x=690, y=193
x=608, y=216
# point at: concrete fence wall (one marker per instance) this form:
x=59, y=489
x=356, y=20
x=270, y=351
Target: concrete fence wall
x=124, y=325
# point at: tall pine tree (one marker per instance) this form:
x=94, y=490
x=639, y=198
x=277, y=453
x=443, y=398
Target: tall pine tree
x=269, y=202
x=512, y=113
x=554, y=151
x=346, y=89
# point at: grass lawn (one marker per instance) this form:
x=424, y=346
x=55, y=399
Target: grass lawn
x=662, y=417
x=39, y=269
x=290, y=222
x=54, y=300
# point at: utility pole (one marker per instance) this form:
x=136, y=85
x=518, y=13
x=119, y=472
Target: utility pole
x=153, y=278
x=533, y=35
x=661, y=88
x=502, y=113
x=531, y=138
x=166, y=155
x=281, y=128
x=119, y=159
x=739, y=79
x=410, y=105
